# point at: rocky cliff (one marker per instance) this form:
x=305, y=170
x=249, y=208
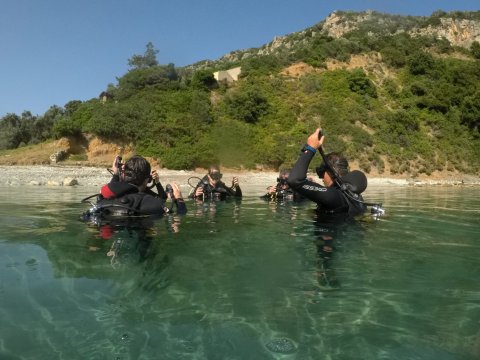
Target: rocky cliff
x=458, y=31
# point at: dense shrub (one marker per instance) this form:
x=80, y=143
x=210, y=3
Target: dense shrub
x=420, y=63
x=246, y=104
x=359, y=82
x=475, y=49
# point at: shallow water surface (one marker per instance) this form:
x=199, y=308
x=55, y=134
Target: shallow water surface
x=241, y=280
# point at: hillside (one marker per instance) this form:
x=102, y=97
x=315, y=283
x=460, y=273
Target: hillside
x=459, y=29
x=400, y=96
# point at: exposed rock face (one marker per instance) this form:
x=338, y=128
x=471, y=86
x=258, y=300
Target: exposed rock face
x=298, y=69
x=100, y=150
x=278, y=41
x=58, y=156
x=336, y=25
x=458, y=32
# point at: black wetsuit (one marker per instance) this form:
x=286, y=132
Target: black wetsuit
x=219, y=192
x=284, y=195
x=120, y=196
x=117, y=188
x=331, y=199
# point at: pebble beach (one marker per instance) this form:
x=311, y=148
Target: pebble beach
x=55, y=175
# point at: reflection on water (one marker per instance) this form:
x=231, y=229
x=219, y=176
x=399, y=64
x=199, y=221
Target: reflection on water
x=241, y=280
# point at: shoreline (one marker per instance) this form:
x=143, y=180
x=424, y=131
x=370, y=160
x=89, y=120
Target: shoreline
x=70, y=175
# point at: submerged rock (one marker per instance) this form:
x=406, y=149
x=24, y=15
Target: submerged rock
x=281, y=346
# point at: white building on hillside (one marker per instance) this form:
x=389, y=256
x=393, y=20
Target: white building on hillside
x=229, y=75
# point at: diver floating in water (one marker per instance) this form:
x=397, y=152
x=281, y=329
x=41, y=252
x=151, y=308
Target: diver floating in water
x=281, y=190
x=127, y=177
x=339, y=201
x=341, y=193
x=210, y=187
x=128, y=193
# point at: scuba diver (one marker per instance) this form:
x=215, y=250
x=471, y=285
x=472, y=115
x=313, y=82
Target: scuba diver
x=339, y=201
x=123, y=174
x=341, y=193
x=127, y=193
x=281, y=190
x=210, y=187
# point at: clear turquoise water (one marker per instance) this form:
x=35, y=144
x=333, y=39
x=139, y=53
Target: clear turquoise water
x=241, y=281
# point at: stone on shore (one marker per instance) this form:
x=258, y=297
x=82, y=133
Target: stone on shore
x=70, y=182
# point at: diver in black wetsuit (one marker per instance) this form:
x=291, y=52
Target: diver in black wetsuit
x=336, y=204
x=125, y=176
x=331, y=198
x=281, y=191
x=210, y=187
x=338, y=201
x=127, y=192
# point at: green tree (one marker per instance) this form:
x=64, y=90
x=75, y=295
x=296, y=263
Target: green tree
x=400, y=128
x=72, y=106
x=10, y=132
x=66, y=127
x=200, y=108
x=123, y=121
x=393, y=56
x=247, y=104
x=148, y=59
x=204, y=79
x=475, y=49
x=76, y=122
x=359, y=82
x=160, y=77
x=470, y=111
x=43, y=126
x=420, y=63
x=261, y=65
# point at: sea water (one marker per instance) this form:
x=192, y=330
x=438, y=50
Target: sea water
x=245, y=279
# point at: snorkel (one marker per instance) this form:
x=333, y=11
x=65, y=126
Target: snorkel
x=353, y=188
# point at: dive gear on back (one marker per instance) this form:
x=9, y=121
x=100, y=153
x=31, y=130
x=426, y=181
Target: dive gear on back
x=352, y=184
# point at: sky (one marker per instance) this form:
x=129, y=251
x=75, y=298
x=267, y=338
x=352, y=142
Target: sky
x=55, y=51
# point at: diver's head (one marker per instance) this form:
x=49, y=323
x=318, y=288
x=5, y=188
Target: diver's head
x=136, y=170
x=336, y=161
x=214, y=174
x=282, y=179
